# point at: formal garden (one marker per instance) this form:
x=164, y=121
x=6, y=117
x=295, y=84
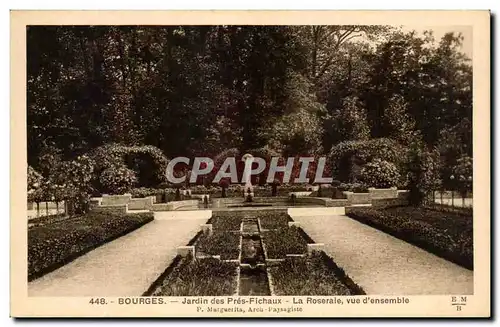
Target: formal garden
x=389, y=127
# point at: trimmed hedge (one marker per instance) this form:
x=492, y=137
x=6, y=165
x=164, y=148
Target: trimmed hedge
x=54, y=245
x=445, y=234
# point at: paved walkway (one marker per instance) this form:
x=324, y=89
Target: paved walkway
x=126, y=266
x=382, y=264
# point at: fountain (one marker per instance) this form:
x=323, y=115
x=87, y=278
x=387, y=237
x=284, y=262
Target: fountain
x=248, y=189
x=253, y=274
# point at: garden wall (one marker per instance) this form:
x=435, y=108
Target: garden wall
x=336, y=202
x=300, y=194
x=141, y=203
x=115, y=199
x=174, y=205
x=224, y=202
x=383, y=193
x=358, y=198
x=200, y=196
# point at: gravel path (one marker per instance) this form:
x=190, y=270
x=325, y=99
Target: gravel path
x=126, y=266
x=382, y=264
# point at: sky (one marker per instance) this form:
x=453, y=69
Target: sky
x=440, y=31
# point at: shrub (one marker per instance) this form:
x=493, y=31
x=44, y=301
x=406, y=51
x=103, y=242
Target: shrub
x=118, y=179
x=66, y=180
x=380, y=174
x=143, y=192
x=56, y=244
x=72, y=180
x=353, y=187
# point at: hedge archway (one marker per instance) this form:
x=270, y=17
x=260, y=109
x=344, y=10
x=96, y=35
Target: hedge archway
x=147, y=161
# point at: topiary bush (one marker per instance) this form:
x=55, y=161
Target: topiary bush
x=118, y=179
x=380, y=174
x=148, y=162
x=346, y=155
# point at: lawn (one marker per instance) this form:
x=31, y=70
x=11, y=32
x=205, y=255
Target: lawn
x=53, y=245
x=446, y=234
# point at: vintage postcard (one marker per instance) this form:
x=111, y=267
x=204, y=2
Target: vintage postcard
x=250, y=164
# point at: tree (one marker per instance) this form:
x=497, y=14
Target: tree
x=464, y=175
x=423, y=173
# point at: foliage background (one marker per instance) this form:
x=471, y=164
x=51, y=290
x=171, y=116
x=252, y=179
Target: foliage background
x=354, y=93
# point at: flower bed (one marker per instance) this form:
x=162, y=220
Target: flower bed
x=284, y=241
x=273, y=219
x=219, y=243
x=226, y=222
x=446, y=234
x=309, y=276
x=207, y=277
x=53, y=245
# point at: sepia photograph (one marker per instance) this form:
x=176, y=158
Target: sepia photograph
x=293, y=164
